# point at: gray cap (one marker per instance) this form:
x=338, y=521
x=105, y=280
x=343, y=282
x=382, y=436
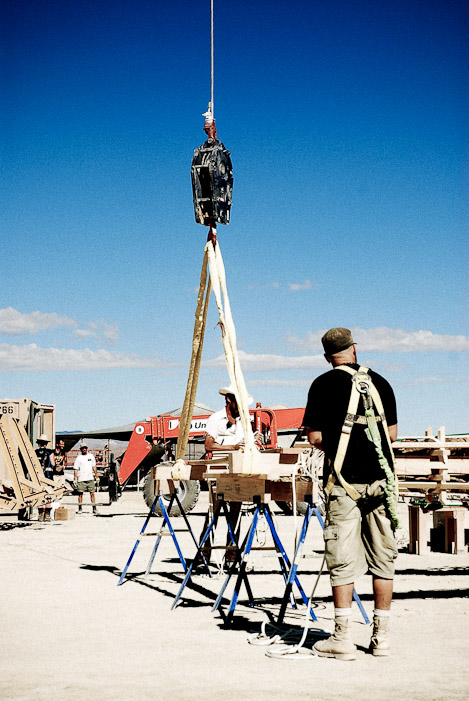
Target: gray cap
x=83, y=445
x=336, y=340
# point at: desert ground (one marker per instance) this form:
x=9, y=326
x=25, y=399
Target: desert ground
x=69, y=632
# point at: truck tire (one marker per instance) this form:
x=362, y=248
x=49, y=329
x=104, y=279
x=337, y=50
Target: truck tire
x=189, y=491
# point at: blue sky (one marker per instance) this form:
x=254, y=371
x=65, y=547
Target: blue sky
x=346, y=124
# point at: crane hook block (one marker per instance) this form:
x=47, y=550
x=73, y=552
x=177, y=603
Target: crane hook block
x=212, y=183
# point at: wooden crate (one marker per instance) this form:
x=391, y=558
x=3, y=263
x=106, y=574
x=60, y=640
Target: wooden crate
x=63, y=514
x=283, y=491
x=243, y=487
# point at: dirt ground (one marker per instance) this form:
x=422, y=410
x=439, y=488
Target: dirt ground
x=69, y=632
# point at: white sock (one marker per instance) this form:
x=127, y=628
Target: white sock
x=342, y=612
x=384, y=613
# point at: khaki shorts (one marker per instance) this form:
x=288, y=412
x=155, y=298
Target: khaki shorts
x=87, y=486
x=358, y=536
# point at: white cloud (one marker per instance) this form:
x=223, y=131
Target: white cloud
x=438, y=380
x=306, y=285
x=15, y=323
x=383, y=339
x=83, y=333
x=276, y=382
x=32, y=357
x=252, y=362
x=100, y=329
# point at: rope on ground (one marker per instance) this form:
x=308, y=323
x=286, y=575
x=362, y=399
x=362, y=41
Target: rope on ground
x=294, y=652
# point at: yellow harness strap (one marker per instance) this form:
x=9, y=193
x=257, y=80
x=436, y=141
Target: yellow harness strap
x=345, y=438
x=379, y=406
x=350, y=419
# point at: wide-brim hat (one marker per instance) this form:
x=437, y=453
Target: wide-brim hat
x=231, y=390
x=43, y=438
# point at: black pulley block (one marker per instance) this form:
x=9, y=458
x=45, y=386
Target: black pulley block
x=212, y=183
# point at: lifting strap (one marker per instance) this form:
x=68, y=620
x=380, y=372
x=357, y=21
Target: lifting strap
x=362, y=385
x=216, y=280
x=194, y=369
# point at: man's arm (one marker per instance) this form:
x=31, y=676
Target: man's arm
x=392, y=432
x=75, y=469
x=211, y=446
x=314, y=437
x=95, y=469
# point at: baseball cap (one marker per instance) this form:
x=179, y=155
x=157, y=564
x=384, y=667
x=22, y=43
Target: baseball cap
x=336, y=340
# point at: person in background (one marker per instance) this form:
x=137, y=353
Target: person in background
x=224, y=430
x=47, y=461
x=59, y=462
x=224, y=433
x=85, y=474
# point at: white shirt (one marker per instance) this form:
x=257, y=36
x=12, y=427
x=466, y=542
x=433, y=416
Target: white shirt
x=85, y=464
x=217, y=427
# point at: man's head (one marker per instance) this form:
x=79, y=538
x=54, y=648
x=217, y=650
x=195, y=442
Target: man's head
x=339, y=346
x=231, y=403
x=84, y=448
x=230, y=397
x=61, y=444
x=43, y=440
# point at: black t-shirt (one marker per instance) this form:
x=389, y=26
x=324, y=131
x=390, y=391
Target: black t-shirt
x=59, y=455
x=328, y=400
x=44, y=458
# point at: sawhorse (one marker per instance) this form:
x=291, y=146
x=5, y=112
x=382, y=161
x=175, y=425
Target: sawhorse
x=311, y=509
x=241, y=557
x=166, y=522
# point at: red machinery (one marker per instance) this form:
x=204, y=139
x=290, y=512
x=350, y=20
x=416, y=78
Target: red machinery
x=163, y=431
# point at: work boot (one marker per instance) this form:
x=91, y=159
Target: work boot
x=47, y=516
x=339, y=645
x=95, y=510
x=379, y=643
x=80, y=509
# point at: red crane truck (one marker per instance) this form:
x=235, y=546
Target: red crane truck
x=156, y=437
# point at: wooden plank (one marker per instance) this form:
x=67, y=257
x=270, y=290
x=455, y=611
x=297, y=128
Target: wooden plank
x=427, y=484
x=242, y=487
x=288, y=458
x=283, y=491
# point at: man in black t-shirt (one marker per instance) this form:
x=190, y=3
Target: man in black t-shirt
x=47, y=461
x=59, y=457
x=358, y=534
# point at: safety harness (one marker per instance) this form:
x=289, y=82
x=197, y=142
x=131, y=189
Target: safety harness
x=362, y=386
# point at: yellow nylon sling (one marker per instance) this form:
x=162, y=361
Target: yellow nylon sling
x=347, y=429
x=216, y=280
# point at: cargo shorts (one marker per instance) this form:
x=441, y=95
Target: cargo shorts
x=87, y=486
x=358, y=536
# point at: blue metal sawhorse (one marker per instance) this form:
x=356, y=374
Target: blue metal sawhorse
x=241, y=555
x=312, y=509
x=261, y=509
x=220, y=507
x=166, y=522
